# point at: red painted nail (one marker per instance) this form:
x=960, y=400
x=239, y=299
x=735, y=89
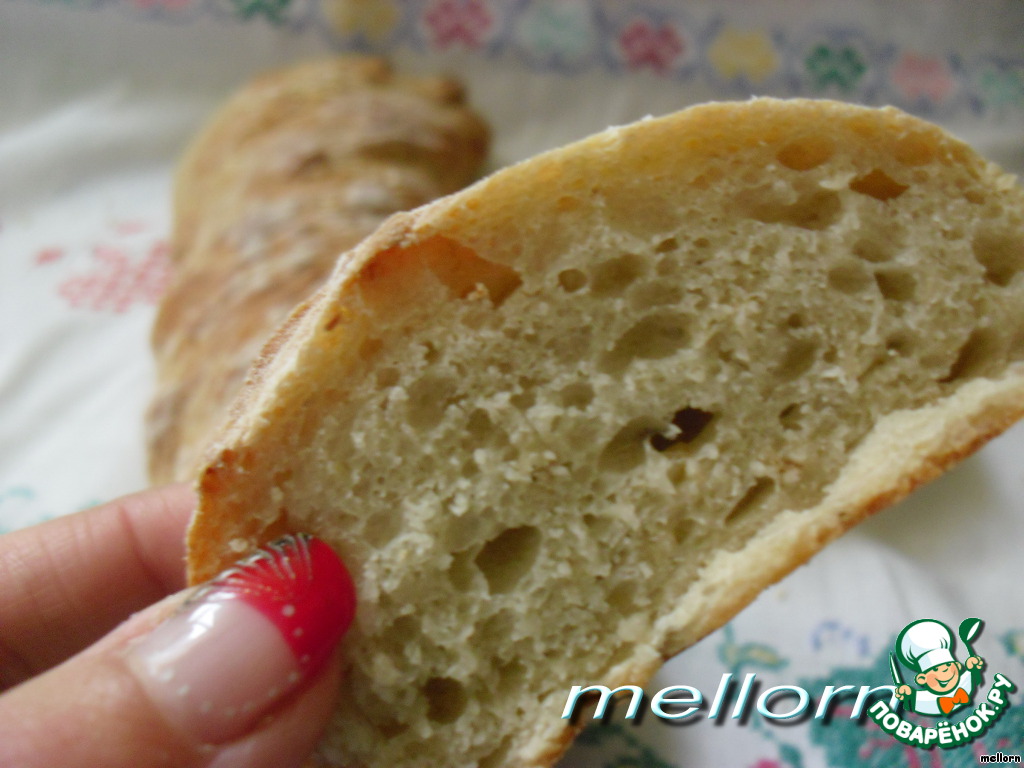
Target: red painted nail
x=247, y=638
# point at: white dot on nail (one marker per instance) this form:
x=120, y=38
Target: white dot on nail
x=166, y=675
x=230, y=712
x=293, y=678
x=272, y=693
x=304, y=659
x=288, y=610
x=297, y=632
x=248, y=707
x=183, y=691
x=206, y=707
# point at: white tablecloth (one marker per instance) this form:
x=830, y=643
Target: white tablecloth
x=98, y=97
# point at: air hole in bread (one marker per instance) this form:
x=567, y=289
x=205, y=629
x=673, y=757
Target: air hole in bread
x=1001, y=255
x=506, y=558
x=687, y=425
x=382, y=716
x=915, y=149
x=383, y=528
x=387, y=377
x=879, y=185
x=430, y=353
x=875, y=249
x=754, y=499
x=899, y=344
x=466, y=531
x=652, y=338
x=578, y=395
x=849, y=277
x=683, y=528
x=498, y=755
x=392, y=638
x=622, y=597
x=572, y=280
x=791, y=416
x=613, y=277
x=816, y=210
x=976, y=356
x=1016, y=348
x=463, y=271
x=446, y=699
x=511, y=674
x=896, y=283
x=807, y=153
x=369, y=348
x=667, y=245
x=462, y=572
x=625, y=451
x=481, y=430
x=598, y=525
x=524, y=399
x=974, y=197
x=429, y=397
x=658, y=293
x=799, y=357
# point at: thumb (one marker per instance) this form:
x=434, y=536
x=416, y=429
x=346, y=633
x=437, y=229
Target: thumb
x=239, y=673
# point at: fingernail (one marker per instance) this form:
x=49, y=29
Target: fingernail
x=247, y=639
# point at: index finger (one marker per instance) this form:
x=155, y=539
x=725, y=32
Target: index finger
x=66, y=583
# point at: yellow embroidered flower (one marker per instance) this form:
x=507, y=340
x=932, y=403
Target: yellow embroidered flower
x=374, y=19
x=743, y=53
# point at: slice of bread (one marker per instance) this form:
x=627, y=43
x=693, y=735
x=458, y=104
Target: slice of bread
x=566, y=422
x=300, y=165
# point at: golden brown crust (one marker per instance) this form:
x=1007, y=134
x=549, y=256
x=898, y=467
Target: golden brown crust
x=295, y=169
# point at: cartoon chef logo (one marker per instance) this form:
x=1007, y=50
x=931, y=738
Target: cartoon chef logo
x=927, y=647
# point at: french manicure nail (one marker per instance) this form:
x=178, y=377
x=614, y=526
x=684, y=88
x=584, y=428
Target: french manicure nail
x=247, y=639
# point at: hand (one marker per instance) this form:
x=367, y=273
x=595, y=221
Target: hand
x=975, y=662
x=903, y=691
x=216, y=676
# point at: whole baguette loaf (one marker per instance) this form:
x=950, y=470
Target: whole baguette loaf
x=565, y=423
x=295, y=169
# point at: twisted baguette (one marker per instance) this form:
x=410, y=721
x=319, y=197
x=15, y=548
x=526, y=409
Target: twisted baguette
x=297, y=168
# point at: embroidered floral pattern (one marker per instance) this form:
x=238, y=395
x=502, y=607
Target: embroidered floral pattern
x=459, y=22
x=561, y=33
x=859, y=741
x=372, y=19
x=744, y=53
x=613, y=739
x=645, y=45
x=923, y=77
x=698, y=43
x=841, y=67
x=119, y=279
x=272, y=10
x=1002, y=89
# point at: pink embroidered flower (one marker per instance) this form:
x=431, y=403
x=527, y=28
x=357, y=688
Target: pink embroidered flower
x=645, y=45
x=48, y=255
x=465, y=22
x=119, y=280
x=920, y=76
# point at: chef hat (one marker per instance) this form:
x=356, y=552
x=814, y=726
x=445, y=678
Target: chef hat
x=924, y=644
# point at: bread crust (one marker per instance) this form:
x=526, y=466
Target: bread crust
x=295, y=169
x=508, y=217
